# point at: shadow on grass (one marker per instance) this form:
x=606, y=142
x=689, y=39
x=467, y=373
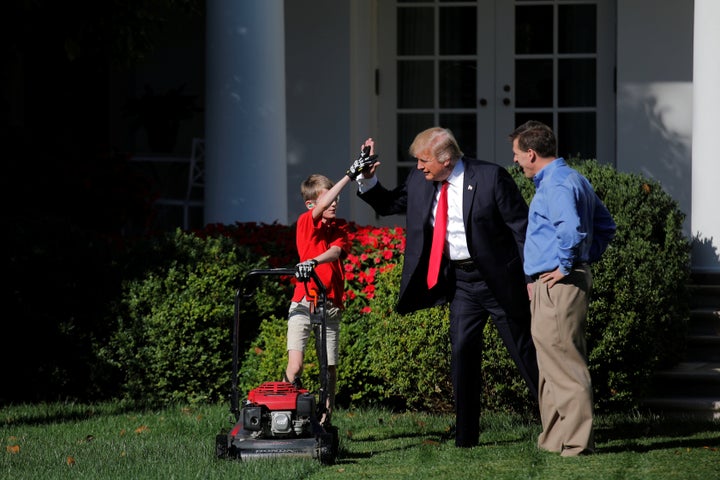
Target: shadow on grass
x=45, y=414
x=679, y=443
x=655, y=433
x=416, y=439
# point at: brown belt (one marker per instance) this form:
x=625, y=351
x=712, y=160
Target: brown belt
x=575, y=265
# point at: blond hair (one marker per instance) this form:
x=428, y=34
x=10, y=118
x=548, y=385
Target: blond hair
x=436, y=143
x=312, y=186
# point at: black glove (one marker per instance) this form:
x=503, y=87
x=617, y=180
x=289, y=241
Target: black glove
x=364, y=161
x=303, y=270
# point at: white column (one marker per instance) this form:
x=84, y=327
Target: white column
x=705, y=216
x=245, y=140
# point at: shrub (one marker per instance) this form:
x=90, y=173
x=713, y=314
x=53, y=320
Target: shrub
x=172, y=341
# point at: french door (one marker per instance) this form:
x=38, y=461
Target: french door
x=483, y=67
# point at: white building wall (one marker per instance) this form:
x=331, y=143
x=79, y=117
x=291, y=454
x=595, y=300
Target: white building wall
x=654, y=93
x=706, y=117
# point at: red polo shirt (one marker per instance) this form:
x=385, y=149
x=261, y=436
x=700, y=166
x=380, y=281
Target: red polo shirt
x=314, y=238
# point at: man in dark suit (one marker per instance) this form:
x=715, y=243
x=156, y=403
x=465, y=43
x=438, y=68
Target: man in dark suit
x=481, y=270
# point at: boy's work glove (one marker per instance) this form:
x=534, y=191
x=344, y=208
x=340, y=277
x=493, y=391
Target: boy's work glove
x=364, y=161
x=303, y=270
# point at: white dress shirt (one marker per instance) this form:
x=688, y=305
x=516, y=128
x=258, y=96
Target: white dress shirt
x=456, y=240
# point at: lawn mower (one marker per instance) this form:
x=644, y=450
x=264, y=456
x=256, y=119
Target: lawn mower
x=279, y=419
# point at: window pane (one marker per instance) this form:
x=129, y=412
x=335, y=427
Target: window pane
x=533, y=29
x=576, y=135
x=457, y=84
x=415, y=31
x=545, y=117
x=576, y=82
x=458, y=31
x=533, y=83
x=577, y=27
x=464, y=127
x=408, y=126
x=415, y=84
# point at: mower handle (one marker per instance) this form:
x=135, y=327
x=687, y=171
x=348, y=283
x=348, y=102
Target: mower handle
x=250, y=282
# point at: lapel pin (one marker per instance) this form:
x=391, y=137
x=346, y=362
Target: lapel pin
x=469, y=187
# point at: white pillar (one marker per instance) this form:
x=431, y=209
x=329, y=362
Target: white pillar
x=705, y=216
x=245, y=140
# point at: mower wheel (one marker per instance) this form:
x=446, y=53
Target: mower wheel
x=221, y=446
x=328, y=446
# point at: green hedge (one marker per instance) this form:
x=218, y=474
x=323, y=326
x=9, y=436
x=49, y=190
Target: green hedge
x=172, y=340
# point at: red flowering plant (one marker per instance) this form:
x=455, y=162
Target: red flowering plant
x=374, y=250
x=274, y=241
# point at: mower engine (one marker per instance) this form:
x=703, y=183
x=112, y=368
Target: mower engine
x=278, y=420
x=278, y=409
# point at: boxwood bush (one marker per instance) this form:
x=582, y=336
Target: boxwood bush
x=172, y=339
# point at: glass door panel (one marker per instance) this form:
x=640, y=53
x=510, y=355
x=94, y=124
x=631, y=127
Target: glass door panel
x=457, y=83
x=579, y=29
x=576, y=82
x=534, y=83
x=457, y=31
x=415, y=27
x=532, y=24
x=416, y=83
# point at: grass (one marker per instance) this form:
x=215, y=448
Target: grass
x=106, y=441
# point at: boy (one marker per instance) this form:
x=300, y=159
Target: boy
x=322, y=242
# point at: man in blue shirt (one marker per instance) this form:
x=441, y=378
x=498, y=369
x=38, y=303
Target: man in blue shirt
x=569, y=227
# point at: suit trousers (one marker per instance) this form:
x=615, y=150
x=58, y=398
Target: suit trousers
x=470, y=305
x=559, y=317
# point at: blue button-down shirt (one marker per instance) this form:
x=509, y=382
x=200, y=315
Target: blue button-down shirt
x=567, y=224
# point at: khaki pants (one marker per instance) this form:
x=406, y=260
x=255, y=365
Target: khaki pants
x=300, y=328
x=559, y=317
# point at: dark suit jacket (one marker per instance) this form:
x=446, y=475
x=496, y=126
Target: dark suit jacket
x=495, y=216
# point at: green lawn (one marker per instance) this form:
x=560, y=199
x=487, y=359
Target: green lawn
x=107, y=442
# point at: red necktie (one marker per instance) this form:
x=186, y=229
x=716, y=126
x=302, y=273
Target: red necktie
x=438, y=242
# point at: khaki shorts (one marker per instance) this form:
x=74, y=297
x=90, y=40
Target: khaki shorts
x=300, y=328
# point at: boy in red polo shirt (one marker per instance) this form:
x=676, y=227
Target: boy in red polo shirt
x=322, y=243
